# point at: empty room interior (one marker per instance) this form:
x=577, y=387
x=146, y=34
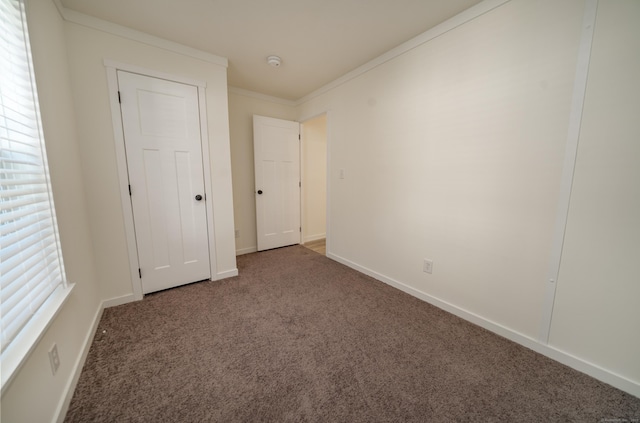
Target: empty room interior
x=479, y=158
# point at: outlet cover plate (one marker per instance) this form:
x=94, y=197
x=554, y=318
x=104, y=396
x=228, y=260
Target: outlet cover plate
x=427, y=266
x=54, y=358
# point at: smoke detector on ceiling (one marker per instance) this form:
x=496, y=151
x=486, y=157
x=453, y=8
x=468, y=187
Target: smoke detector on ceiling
x=274, y=61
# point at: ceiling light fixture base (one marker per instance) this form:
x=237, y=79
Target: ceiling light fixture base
x=274, y=61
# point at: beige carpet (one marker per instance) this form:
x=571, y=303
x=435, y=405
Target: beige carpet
x=300, y=338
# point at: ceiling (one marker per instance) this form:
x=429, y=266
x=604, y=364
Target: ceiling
x=318, y=40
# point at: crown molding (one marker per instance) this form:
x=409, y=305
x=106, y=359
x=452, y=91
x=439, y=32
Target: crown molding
x=141, y=37
x=260, y=96
x=446, y=26
x=108, y=63
x=121, y=31
x=60, y=7
x=438, y=30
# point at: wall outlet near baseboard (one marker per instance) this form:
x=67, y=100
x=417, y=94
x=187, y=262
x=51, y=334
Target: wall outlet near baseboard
x=237, y=233
x=54, y=358
x=427, y=266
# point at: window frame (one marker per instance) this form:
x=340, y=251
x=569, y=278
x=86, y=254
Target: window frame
x=26, y=340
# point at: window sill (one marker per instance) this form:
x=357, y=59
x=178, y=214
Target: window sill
x=21, y=347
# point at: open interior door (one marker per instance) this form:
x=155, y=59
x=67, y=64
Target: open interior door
x=276, y=145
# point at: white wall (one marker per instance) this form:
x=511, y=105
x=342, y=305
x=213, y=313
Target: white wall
x=314, y=178
x=454, y=150
x=596, y=314
x=73, y=326
x=242, y=107
x=87, y=50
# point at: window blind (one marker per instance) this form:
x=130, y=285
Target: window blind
x=31, y=266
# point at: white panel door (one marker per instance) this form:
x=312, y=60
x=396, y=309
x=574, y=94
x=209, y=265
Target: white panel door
x=276, y=145
x=164, y=158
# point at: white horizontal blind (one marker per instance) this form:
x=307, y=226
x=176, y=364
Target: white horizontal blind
x=31, y=266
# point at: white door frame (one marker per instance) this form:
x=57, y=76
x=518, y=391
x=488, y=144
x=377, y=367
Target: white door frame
x=327, y=113
x=303, y=148
x=281, y=237
x=123, y=174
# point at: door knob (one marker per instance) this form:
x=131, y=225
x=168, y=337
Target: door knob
x=198, y=197
x=259, y=191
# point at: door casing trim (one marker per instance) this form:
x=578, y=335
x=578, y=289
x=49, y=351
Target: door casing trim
x=123, y=173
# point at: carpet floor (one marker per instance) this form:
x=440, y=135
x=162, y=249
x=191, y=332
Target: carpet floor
x=298, y=337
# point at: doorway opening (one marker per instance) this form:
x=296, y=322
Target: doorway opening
x=313, y=166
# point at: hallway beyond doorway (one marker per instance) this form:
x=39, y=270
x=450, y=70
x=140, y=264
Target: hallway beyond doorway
x=319, y=246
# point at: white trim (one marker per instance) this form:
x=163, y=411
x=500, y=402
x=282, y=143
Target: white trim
x=247, y=250
x=226, y=274
x=258, y=122
x=206, y=163
x=152, y=72
x=300, y=198
x=327, y=224
x=25, y=342
x=446, y=26
x=574, y=362
x=303, y=146
x=302, y=192
x=121, y=31
x=315, y=237
x=124, y=299
x=123, y=178
x=571, y=150
x=76, y=371
x=123, y=172
x=260, y=96
x=141, y=37
x=313, y=116
x=60, y=8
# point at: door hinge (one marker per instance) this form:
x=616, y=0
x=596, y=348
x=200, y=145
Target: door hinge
x=300, y=184
x=299, y=137
x=140, y=273
x=129, y=190
x=300, y=228
x=119, y=100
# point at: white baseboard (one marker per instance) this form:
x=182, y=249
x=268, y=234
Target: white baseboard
x=129, y=298
x=226, y=274
x=311, y=238
x=567, y=359
x=248, y=250
x=63, y=407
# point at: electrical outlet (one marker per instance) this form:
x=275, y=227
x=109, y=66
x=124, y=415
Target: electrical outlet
x=54, y=358
x=237, y=233
x=427, y=266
